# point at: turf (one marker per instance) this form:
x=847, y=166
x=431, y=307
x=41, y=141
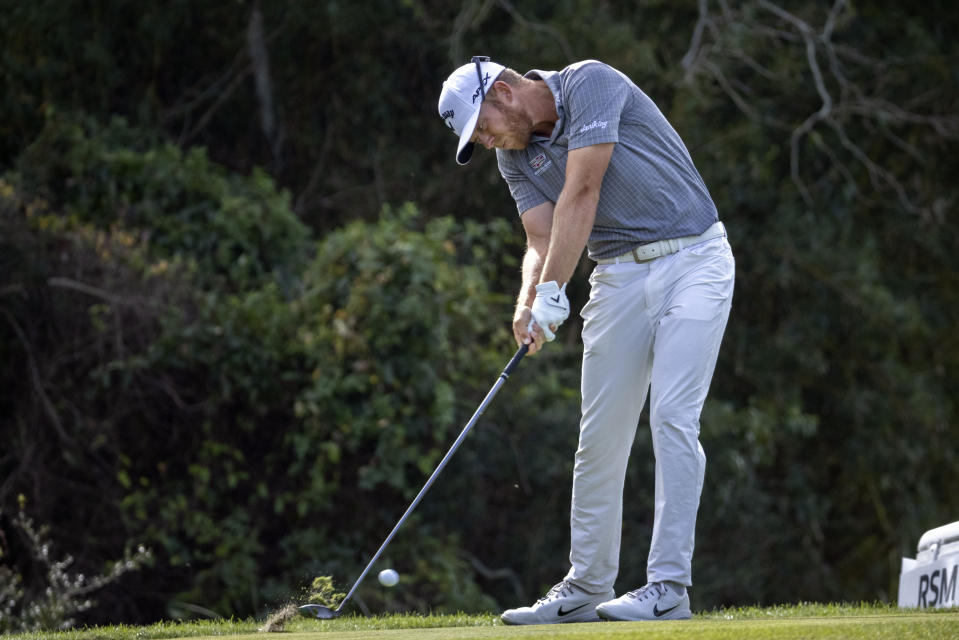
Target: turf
x=804, y=621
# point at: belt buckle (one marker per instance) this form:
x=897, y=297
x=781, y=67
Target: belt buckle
x=646, y=249
x=652, y=251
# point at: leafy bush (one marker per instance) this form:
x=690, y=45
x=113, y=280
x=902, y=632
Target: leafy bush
x=236, y=429
x=239, y=230
x=62, y=594
x=343, y=397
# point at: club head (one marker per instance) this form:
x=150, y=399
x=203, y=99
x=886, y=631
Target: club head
x=318, y=612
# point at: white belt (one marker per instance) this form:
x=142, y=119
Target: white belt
x=660, y=248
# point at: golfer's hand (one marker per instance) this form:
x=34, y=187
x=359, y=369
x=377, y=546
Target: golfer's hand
x=550, y=308
x=525, y=330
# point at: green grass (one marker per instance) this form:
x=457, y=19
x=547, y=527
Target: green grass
x=812, y=621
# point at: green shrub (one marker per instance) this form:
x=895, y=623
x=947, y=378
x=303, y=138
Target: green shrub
x=321, y=414
x=239, y=230
x=52, y=602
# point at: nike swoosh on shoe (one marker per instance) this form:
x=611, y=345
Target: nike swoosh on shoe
x=660, y=612
x=563, y=613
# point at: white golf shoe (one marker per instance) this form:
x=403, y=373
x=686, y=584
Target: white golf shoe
x=655, y=601
x=564, y=603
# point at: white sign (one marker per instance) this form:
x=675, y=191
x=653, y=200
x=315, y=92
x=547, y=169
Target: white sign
x=929, y=585
x=929, y=580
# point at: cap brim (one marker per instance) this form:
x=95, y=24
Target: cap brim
x=464, y=150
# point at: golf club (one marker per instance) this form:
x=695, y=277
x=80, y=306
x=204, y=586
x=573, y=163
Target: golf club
x=326, y=613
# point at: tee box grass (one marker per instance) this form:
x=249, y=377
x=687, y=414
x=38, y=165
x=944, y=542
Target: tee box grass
x=793, y=622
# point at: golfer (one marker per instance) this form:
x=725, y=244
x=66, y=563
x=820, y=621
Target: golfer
x=592, y=162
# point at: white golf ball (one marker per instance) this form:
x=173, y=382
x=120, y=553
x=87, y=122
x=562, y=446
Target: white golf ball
x=388, y=577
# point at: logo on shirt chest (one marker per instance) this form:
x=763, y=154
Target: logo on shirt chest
x=540, y=163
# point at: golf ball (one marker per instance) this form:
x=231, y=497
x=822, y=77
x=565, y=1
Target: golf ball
x=388, y=577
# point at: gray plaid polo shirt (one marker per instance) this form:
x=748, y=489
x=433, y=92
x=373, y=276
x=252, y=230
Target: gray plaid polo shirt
x=651, y=190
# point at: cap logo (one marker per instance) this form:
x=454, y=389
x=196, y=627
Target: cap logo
x=448, y=117
x=476, y=94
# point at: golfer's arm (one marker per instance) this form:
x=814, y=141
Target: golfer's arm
x=537, y=222
x=575, y=211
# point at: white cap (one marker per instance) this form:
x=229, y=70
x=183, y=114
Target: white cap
x=462, y=97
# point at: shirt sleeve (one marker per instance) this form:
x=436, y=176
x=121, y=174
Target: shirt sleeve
x=596, y=95
x=524, y=192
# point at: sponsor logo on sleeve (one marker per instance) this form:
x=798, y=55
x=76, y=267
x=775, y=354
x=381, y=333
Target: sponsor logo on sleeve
x=595, y=124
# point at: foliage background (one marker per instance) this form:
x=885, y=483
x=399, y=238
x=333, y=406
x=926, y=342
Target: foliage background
x=247, y=300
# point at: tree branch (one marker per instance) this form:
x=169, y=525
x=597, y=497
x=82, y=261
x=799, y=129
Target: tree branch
x=696, y=41
x=259, y=56
x=96, y=292
x=473, y=12
x=37, y=381
x=844, y=104
x=538, y=26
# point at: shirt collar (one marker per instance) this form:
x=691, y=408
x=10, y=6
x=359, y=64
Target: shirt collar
x=552, y=80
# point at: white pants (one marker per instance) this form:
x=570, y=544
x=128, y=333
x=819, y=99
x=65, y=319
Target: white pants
x=652, y=326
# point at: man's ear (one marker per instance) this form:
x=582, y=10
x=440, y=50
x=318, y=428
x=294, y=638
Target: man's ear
x=503, y=91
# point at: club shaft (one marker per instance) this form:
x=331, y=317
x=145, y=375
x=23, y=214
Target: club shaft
x=449, y=454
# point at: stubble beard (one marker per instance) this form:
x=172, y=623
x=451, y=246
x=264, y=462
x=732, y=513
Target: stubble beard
x=519, y=125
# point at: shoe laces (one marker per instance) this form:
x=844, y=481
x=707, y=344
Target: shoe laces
x=560, y=589
x=649, y=590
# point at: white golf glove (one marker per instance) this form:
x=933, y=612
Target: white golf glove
x=550, y=307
